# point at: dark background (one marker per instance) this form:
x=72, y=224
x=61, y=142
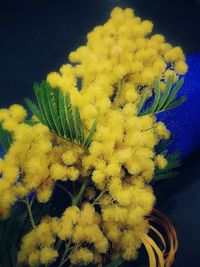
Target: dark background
x=36, y=37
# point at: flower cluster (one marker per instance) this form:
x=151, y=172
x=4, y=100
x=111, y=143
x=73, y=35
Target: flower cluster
x=75, y=226
x=106, y=79
x=21, y=169
x=37, y=245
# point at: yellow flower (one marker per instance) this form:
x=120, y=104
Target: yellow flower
x=161, y=162
x=48, y=255
x=81, y=256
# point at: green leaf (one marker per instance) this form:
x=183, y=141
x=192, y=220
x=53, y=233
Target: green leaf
x=163, y=144
x=176, y=103
x=142, y=102
x=157, y=97
x=13, y=253
x=116, y=262
x=52, y=99
x=31, y=122
x=39, y=101
x=78, y=126
x=5, y=139
x=62, y=114
x=69, y=117
x=174, y=91
x=90, y=135
x=163, y=101
x=34, y=109
x=46, y=107
x=166, y=93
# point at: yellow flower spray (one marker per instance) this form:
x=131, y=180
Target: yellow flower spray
x=106, y=79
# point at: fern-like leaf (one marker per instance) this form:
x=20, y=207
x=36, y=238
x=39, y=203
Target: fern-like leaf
x=90, y=134
x=162, y=101
x=56, y=112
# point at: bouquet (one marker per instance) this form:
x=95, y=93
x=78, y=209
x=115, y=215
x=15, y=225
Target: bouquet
x=78, y=171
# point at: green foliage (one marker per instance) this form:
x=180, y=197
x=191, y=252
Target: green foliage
x=5, y=139
x=119, y=262
x=115, y=263
x=14, y=228
x=54, y=109
x=31, y=122
x=162, y=101
x=170, y=170
x=161, y=147
x=11, y=232
x=173, y=159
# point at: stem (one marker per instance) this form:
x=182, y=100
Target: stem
x=65, y=190
x=28, y=205
x=59, y=244
x=78, y=197
x=75, y=202
x=99, y=196
x=65, y=254
x=149, y=128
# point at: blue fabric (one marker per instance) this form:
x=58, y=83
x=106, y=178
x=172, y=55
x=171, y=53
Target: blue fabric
x=184, y=121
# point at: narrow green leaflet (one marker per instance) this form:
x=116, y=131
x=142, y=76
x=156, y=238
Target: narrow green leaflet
x=163, y=144
x=162, y=101
x=165, y=95
x=69, y=116
x=62, y=114
x=90, y=135
x=31, y=122
x=176, y=103
x=52, y=99
x=34, y=109
x=47, y=108
x=175, y=90
x=78, y=126
x=5, y=139
x=37, y=90
x=116, y=262
x=157, y=97
x=142, y=102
